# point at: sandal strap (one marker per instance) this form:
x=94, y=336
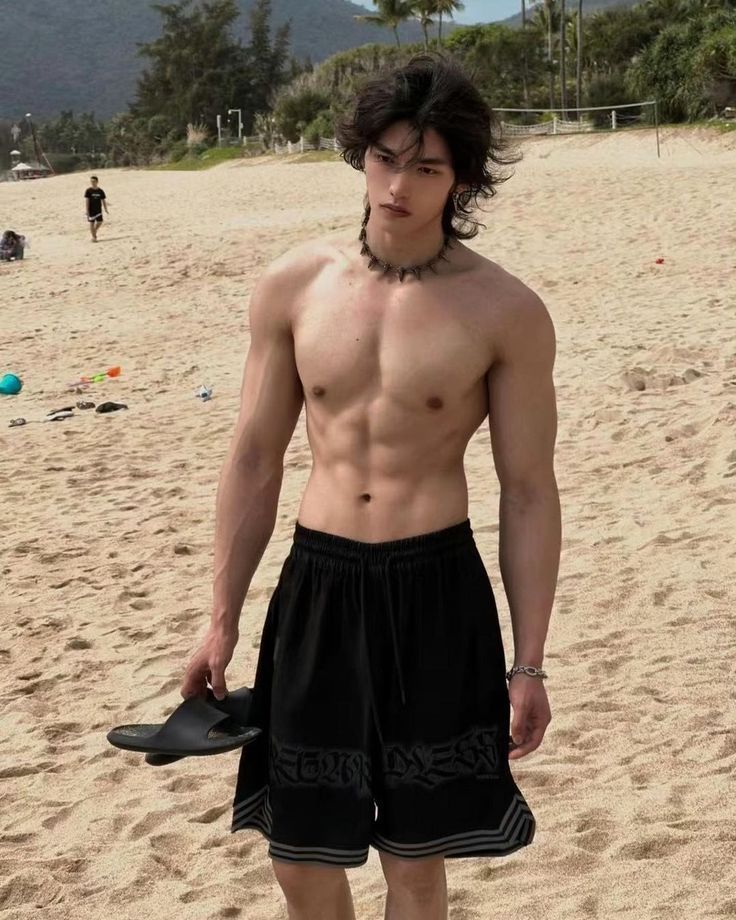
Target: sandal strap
x=189, y=724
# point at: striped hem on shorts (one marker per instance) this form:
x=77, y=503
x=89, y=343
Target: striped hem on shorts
x=516, y=831
x=255, y=812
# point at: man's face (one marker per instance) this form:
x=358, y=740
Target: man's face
x=94, y=183
x=412, y=197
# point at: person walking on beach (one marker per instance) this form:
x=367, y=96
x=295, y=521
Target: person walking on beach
x=381, y=685
x=95, y=199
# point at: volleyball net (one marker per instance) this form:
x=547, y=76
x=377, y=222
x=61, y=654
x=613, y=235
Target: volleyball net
x=551, y=122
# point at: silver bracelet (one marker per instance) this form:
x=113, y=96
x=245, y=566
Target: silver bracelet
x=526, y=669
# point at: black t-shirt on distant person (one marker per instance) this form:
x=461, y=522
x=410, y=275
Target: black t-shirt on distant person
x=95, y=196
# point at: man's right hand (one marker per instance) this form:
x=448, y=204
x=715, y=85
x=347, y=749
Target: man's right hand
x=209, y=663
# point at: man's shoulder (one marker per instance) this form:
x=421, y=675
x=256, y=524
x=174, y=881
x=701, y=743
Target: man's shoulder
x=303, y=262
x=515, y=316
x=505, y=291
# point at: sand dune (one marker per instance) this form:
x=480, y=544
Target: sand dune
x=107, y=524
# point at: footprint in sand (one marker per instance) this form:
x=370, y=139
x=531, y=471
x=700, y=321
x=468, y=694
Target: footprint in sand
x=212, y=814
x=29, y=887
x=26, y=769
x=141, y=604
x=168, y=863
x=641, y=378
x=589, y=906
x=184, y=784
x=593, y=841
x=77, y=642
x=62, y=730
x=61, y=815
x=652, y=848
x=236, y=852
x=731, y=465
x=147, y=824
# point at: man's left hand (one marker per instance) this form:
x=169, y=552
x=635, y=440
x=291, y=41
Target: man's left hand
x=531, y=714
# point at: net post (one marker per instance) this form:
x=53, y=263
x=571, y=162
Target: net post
x=656, y=125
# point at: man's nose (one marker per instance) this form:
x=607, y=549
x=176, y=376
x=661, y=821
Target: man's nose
x=399, y=187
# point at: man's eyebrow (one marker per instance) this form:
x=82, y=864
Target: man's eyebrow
x=425, y=161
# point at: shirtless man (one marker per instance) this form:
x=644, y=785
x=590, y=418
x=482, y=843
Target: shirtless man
x=381, y=686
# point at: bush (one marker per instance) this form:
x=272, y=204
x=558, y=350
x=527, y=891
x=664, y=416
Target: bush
x=686, y=65
x=322, y=126
x=178, y=150
x=66, y=162
x=610, y=90
x=297, y=108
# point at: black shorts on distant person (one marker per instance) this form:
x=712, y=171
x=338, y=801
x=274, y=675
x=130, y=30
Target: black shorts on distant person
x=95, y=218
x=381, y=693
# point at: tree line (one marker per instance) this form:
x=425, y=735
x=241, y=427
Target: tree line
x=681, y=52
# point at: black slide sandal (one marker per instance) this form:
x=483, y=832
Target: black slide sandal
x=197, y=727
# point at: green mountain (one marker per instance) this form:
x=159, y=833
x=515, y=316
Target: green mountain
x=589, y=6
x=81, y=54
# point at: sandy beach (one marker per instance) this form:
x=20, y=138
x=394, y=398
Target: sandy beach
x=107, y=524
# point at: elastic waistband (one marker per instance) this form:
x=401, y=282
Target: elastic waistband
x=425, y=545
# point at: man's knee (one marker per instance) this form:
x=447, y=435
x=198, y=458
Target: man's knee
x=420, y=879
x=307, y=885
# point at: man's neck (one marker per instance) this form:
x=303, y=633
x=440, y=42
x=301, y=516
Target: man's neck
x=401, y=249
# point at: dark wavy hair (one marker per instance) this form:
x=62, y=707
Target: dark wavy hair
x=432, y=91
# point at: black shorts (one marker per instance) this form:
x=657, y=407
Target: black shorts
x=95, y=218
x=381, y=693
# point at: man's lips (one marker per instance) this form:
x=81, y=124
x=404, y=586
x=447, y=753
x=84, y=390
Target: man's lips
x=395, y=209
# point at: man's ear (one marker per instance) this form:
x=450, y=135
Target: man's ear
x=460, y=188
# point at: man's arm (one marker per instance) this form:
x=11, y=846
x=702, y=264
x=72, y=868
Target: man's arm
x=250, y=481
x=523, y=424
x=523, y=428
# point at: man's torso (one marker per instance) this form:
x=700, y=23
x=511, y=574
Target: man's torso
x=394, y=379
x=95, y=196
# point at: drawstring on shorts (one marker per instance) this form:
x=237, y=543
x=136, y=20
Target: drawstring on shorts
x=346, y=550
x=394, y=638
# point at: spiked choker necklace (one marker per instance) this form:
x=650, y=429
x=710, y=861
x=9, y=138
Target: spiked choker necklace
x=399, y=270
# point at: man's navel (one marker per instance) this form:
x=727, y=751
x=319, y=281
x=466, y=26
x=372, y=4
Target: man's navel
x=434, y=402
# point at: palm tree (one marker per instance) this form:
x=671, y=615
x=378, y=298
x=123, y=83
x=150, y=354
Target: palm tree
x=391, y=13
x=525, y=63
x=574, y=35
x=447, y=8
x=579, y=85
x=563, y=74
x=423, y=11
x=545, y=19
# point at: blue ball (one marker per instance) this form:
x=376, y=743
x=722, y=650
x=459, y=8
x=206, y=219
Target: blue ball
x=10, y=385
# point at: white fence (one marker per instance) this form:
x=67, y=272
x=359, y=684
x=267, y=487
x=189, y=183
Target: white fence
x=300, y=146
x=325, y=143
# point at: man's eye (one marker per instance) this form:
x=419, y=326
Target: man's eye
x=382, y=158
x=427, y=171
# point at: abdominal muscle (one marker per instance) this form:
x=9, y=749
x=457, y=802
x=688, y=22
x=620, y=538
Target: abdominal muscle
x=378, y=491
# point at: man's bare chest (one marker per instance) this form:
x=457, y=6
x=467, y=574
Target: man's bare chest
x=418, y=348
